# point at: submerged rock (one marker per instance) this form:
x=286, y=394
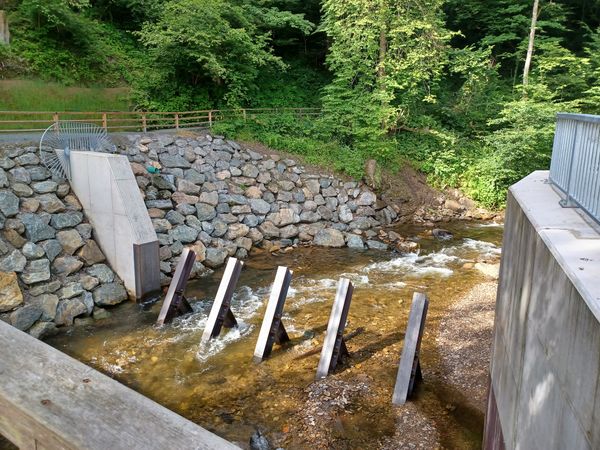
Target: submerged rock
x=258, y=441
x=442, y=235
x=489, y=270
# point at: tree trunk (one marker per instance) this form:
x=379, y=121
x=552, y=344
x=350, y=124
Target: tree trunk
x=534, y=17
x=382, y=52
x=381, y=69
x=4, y=33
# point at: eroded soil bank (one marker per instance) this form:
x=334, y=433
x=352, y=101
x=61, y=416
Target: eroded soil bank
x=224, y=391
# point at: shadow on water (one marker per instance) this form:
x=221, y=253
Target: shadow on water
x=224, y=391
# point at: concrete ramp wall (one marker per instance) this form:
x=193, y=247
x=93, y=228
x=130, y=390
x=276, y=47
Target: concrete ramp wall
x=109, y=194
x=545, y=370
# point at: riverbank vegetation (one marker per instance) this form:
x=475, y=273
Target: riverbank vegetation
x=466, y=90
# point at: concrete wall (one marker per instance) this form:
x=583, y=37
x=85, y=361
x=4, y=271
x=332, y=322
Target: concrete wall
x=109, y=194
x=546, y=352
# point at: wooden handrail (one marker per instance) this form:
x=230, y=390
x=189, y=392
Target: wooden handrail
x=20, y=121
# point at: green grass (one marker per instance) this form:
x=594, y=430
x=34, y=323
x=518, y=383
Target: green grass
x=31, y=95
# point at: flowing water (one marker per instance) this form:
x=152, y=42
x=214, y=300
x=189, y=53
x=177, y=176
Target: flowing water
x=223, y=390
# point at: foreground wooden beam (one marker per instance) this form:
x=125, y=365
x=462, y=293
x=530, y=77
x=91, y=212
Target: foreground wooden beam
x=409, y=369
x=49, y=401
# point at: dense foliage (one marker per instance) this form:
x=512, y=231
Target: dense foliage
x=434, y=82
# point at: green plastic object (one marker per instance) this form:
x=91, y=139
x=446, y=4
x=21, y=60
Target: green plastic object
x=152, y=169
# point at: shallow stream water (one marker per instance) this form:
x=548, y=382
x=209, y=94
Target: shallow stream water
x=223, y=390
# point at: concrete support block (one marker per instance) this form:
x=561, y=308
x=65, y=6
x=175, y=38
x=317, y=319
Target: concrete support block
x=108, y=192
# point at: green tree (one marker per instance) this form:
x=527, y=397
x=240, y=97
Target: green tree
x=60, y=40
x=206, y=51
x=386, y=57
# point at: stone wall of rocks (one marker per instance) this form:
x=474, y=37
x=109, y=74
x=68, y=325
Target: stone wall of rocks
x=224, y=200
x=52, y=272
x=211, y=194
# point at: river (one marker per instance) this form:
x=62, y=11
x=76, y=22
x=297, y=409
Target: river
x=223, y=390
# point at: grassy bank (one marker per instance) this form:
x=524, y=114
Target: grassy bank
x=33, y=95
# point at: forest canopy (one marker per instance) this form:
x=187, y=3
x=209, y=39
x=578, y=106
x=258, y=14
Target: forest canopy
x=466, y=90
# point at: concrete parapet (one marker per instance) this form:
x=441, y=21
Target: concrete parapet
x=545, y=370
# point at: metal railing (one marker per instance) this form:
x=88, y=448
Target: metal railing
x=31, y=121
x=575, y=166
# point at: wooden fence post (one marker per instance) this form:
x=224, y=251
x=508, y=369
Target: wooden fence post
x=244, y=112
x=104, y=121
x=177, y=121
x=144, y=127
x=210, y=119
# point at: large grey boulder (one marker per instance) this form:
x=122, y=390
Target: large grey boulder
x=102, y=272
x=236, y=230
x=345, y=214
x=67, y=310
x=184, y=234
x=66, y=220
x=354, y=241
x=376, y=245
x=52, y=248
x=4, y=178
x=71, y=290
x=205, y=212
x=269, y=230
x=45, y=187
x=32, y=251
x=288, y=232
x=70, y=240
x=174, y=161
x=313, y=186
x=37, y=228
x=13, y=262
x=215, y=257
x=259, y=206
x=23, y=318
x=51, y=203
x=66, y=265
x=36, y=271
x=47, y=304
x=329, y=237
x=110, y=294
x=91, y=253
x=366, y=198
x=210, y=198
x=9, y=203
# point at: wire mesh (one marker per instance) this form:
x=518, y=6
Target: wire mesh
x=61, y=138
